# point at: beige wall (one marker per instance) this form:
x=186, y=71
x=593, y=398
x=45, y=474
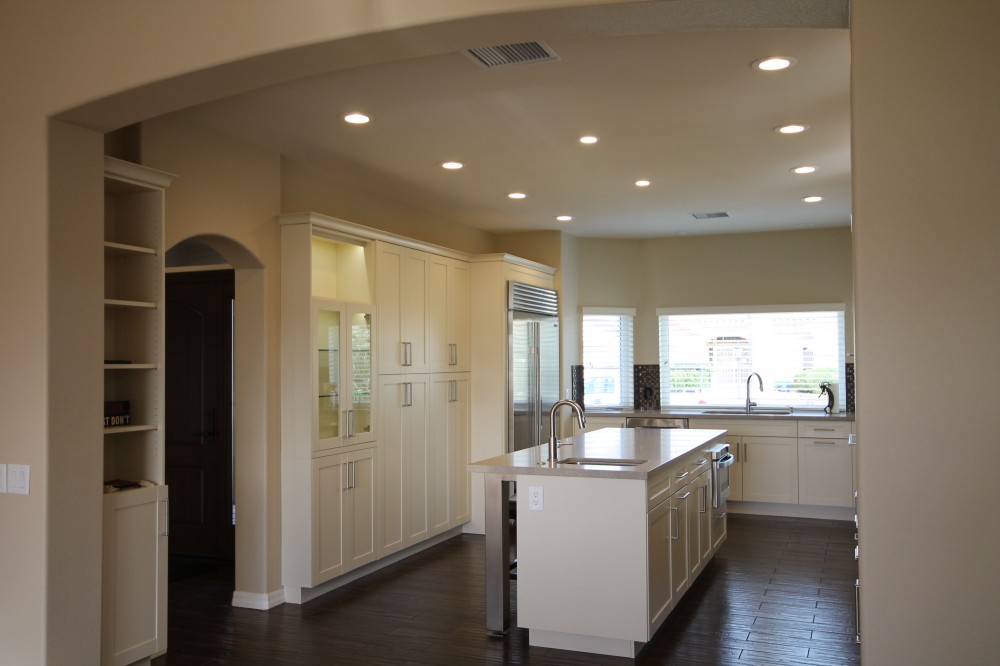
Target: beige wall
x=926, y=90
x=809, y=266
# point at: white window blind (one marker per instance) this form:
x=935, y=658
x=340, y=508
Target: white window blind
x=706, y=354
x=607, y=357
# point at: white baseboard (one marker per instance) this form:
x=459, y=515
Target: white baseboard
x=258, y=601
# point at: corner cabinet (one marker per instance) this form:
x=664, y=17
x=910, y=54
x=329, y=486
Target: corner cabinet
x=329, y=457
x=134, y=580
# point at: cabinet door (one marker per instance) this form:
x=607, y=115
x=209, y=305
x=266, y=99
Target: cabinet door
x=770, y=469
x=459, y=441
x=679, y=541
x=703, y=491
x=826, y=472
x=362, y=491
x=403, y=442
x=438, y=347
x=735, y=443
x=328, y=332
x=134, y=598
x=448, y=451
x=459, y=323
x=660, y=544
x=358, y=375
x=400, y=277
x=329, y=481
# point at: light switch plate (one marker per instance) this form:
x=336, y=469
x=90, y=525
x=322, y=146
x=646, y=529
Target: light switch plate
x=3, y=478
x=18, y=479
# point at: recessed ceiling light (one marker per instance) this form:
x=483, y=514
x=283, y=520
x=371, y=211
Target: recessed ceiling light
x=451, y=165
x=812, y=199
x=564, y=218
x=356, y=118
x=642, y=183
x=773, y=63
x=804, y=169
x=791, y=129
x=517, y=195
x=589, y=139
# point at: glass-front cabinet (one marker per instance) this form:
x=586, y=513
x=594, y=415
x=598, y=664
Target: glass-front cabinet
x=343, y=376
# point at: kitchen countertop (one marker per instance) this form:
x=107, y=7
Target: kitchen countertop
x=694, y=413
x=658, y=447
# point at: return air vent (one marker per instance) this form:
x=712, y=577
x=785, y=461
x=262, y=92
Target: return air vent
x=710, y=216
x=503, y=55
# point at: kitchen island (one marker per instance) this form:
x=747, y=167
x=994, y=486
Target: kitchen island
x=604, y=550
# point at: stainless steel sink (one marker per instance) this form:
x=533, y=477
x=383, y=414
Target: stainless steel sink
x=617, y=462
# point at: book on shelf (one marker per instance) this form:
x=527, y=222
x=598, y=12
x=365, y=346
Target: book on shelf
x=116, y=413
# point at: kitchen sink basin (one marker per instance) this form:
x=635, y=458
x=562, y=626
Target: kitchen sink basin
x=617, y=462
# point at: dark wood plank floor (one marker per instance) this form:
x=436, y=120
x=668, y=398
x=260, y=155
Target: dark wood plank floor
x=780, y=591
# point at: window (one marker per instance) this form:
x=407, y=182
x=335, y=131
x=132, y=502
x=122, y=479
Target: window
x=607, y=357
x=707, y=354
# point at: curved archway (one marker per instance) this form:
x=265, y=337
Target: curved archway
x=256, y=481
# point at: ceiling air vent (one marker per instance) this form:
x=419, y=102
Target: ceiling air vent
x=503, y=55
x=710, y=216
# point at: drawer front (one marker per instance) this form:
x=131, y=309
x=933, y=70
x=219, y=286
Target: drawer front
x=659, y=487
x=827, y=430
x=753, y=427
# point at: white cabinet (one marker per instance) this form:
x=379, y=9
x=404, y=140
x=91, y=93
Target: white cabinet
x=401, y=294
x=770, y=469
x=403, y=440
x=826, y=464
x=700, y=522
x=134, y=575
x=448, y=325
x=343, y=512
x=329, y=475
x=342, y=343
x=449, y=433
x=661, y=539
x=134, y=618
x=680, y=572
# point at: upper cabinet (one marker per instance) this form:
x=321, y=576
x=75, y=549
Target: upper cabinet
x=327, y=334
x=448, y=297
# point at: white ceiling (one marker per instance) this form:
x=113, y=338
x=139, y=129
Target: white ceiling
x=684, y=110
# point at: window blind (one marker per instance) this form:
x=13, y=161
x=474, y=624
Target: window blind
x=706, y=354
x=607, y=356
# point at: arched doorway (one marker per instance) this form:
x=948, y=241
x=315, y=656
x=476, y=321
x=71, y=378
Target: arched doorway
x=219, y=460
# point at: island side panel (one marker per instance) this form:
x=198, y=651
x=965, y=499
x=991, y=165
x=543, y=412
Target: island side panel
x=582, y=558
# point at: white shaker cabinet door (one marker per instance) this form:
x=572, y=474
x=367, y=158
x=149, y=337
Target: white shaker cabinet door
x=770, y=469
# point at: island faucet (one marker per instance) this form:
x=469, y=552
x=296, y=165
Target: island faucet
x=752, y=375
x=553, y=443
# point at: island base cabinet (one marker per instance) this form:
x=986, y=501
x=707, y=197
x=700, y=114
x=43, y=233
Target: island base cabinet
x=134, y=622
x=582, y=564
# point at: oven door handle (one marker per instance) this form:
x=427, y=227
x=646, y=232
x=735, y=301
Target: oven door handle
x=725, y=461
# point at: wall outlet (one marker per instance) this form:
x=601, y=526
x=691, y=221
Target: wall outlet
x=536, y=498
x=3, y=478
x=18, y=479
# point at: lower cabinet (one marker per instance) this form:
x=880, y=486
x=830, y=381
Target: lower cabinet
x=826, y=472
x=343, y=512
x=134, y=575
x=770, y=469
x=701, y=522
x=449, y=433
x=680, y=548
x=662, y=535
x=403, y=439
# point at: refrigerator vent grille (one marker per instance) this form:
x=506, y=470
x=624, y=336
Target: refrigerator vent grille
x=523, y=53
x=529, y=298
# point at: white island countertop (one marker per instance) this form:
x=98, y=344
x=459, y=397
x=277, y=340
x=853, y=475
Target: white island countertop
x=657, y=447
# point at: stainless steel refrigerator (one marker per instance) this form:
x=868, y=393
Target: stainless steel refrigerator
x=533, y=363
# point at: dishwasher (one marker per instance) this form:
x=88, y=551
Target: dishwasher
x=655, y=422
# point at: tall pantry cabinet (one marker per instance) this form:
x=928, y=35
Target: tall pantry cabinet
x=135, y=525
x=329, y=457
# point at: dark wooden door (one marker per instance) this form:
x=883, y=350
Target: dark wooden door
x=199, y=442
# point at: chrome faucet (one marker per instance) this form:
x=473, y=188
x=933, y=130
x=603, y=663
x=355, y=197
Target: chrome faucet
x=752, y=375
x=553, y=443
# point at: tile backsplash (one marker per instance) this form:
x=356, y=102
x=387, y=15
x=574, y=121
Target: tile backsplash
x=646, y=383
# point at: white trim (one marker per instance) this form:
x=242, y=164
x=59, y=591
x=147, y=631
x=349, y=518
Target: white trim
x=740, y=309
x=791, y=510
x=258, y=601
x=620, y=312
